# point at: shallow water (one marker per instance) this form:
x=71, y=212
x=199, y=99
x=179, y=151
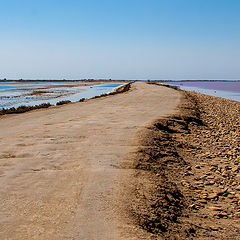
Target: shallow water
x=229, y=90
x=17, y=94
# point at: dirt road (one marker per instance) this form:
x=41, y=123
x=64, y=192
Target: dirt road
x=61, y=169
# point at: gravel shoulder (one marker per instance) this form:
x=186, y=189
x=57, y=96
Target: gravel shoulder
x=187, y=172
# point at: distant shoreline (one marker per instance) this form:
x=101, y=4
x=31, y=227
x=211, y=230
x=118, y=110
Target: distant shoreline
x=111, y=80
x=39, y=80
x=156, y=81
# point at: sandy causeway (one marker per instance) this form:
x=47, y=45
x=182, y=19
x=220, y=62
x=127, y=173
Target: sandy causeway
x=60, y=168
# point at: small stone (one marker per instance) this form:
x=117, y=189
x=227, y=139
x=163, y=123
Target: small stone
x=194, y=206
x=210, y=177
x=221, y=191
x=197, y=166
x=188, y=173
x=237, y=214
x=197, y=178
x=230, y=196
x=235, y=169
x=212, y=196
x=237, y=195
x=224, y=175
x=205, y=196
x=213, y=228
x=215, y=208
x=222, y=215
x=202, y=201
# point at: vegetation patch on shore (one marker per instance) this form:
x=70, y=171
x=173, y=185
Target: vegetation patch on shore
x=187, y=172
x=121, y=89
x=23, y=109
x=63, y=102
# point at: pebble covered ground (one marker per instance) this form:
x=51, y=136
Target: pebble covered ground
x=188, y=172
x=212, y=178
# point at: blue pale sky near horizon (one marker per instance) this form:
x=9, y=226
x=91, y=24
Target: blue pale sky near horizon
x=120, y=39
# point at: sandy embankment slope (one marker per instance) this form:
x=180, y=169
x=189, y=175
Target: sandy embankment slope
x=60, y=169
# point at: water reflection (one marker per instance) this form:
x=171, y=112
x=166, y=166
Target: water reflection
x=30, y=94
x=229, y=90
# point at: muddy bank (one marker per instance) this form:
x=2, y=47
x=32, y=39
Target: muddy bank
x=187, y=172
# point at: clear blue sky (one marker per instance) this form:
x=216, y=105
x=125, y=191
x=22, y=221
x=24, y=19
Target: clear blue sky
x=120, y=39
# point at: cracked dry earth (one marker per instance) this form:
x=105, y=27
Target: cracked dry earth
x=61, y=173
